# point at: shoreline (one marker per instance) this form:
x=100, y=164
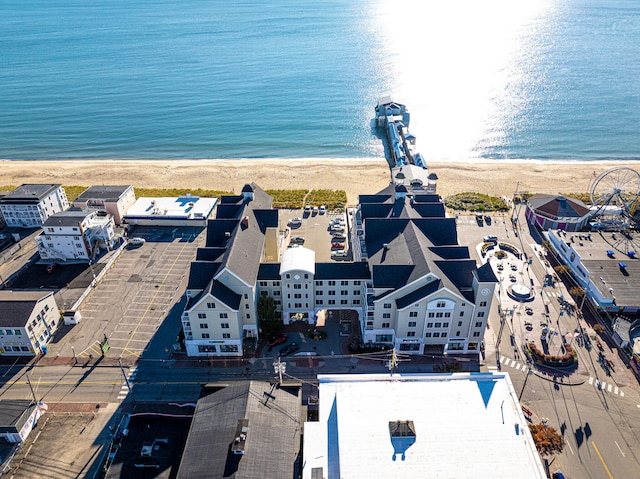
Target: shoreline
x=353, y=175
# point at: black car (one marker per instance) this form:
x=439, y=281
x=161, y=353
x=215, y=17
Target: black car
x=296, y=240
x=487, y=219
x=289, y=349
x=479, y=220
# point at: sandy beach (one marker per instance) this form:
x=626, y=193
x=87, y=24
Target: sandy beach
x=355, y=176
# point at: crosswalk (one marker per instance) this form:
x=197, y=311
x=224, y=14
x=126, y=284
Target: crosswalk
x=124, y=389
x=601, y=385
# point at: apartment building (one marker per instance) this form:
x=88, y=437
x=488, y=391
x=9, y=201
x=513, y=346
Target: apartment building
x=30, y=205
x=113, y=199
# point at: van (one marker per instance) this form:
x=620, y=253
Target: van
x=490, y=239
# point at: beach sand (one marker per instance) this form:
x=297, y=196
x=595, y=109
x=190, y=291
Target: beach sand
x=355, y=176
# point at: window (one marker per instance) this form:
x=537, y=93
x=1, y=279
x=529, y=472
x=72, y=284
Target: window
x=297, y=296
x=436, y=335
x=288, y=276
x=413, y=314
x=444, y=335
x=457, y=333
x=297, y=286
x=263, y=283
x=386, y=315
x=306, y=276
x=297, y=305
x=9, y=332
x=202, y=315
x=439, y=315
x=288, y=296
x=206, y=348
x=356, y=301
x=277, y=302
x=344, y=283
x=447, y=315
x=445, y=325
x=459, y=323
x=205, y=335
x=412, y=324
x=427, y=335
x=461, y=313
x=226, y=335
x=344, y=292
x=438, y=325
x=228, y=348
x=276, y=283
x=211, y=305
x=440, y=304
x=332, y=283
x=429, y=325
x=411, y=334
x=318, y=301
x=332, y=293
x=246, y=306
x=224, y=325
x=344, y=301
x=319, y=293
x=432, y=315
x=332, y=301
x=483, y=303
x=387, y=306
x=204, y=326
x=476, y=334
x=276, y=293
x=357, y=283
x=263, y=294
x=385, y=325
x=479, y=324
x=18, y=332
x=224, y=315
x=356, y=292
x=481, y=314
x=318, y=283
x=248, y=316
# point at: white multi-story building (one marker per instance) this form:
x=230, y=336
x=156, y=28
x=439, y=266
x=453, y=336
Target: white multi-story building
x=115, y=200
x=29, y=206
x=76, y=235
x=28, y=320
x=415, y=287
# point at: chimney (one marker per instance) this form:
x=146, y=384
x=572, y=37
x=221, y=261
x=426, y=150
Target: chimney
x=240, y=438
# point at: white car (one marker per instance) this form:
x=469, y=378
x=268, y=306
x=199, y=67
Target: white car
x=137, y=241
x=323, y=209
x=339, y=254
x=295, y=222
x=337, y=227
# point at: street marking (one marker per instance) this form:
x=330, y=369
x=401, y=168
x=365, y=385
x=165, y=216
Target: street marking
x=615, y=391
x=602, y=460
x=619, y=449
x=609, y=388
x=621, y=393
x=590, y=381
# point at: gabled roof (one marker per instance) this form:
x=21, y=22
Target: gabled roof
x=345, y=270
x=418, y=294
x=224, y=294
x=209, y=253
x=201, y=273
x=17, y=306
x=272, y=441
x=14, y=414
x=486, y=274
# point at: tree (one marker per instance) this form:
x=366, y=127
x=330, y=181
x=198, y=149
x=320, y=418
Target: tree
x=577, y=291
x=268, y=317
x=547, y=439
x=562, y=269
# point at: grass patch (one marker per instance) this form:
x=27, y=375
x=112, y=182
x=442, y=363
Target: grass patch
x=287, y=199
x=332, y=199
x=469, y=201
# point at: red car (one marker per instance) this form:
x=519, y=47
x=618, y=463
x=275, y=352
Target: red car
x=277, y=340
x=337, y=245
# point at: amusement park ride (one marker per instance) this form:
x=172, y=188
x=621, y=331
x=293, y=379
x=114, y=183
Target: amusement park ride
x=615, y=193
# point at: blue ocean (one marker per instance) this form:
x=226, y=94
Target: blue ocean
x=541, y=79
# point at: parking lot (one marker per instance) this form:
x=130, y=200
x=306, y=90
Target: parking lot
x=314, y=228
x=134, y=297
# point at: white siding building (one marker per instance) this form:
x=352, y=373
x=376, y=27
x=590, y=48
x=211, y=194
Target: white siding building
x=29, y=206
x=76, y=235
x=115, y=200
x=28, y=320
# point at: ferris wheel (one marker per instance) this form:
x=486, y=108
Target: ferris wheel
x=617, y=188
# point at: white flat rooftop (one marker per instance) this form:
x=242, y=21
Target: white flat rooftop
x=467, y=425
x=182, y=207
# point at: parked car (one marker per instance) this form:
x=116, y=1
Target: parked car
x=307, y=210
x=51, y=267
x=296, y=240
x=339, y=254
x=289, y=349
x=490, y=239
x=338, y=220
x=316, y=210
x=337, y=245
x=479, y=220
x=274, y=341
x=487, y=219
x=295, y=222
x=322, y=209
x=337, y=227
x=338, y=236
x=137, y=241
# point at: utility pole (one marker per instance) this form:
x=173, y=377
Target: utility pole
x=279, y=368
x=529, y=373
x=33, y=394
x=393, y=362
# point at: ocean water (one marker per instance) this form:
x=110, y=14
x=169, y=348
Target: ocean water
x=542, y=79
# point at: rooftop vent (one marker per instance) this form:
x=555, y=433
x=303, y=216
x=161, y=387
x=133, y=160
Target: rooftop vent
x=385, y=246
x=227, y=234
x=241, y=436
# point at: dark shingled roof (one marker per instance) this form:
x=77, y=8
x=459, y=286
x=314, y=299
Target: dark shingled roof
x=14, y=414
x=29, y=193
x=357, y=270
x=108, y=193
x=70, y=217
x=418, y=294
x=228, y=210
x=201, y=273
x=272, y=442
x=217, y=230
x=486, y=274
x=227, y=296
x=269, y=271
x=209, y=254
x=17, y=306
x=558, y=206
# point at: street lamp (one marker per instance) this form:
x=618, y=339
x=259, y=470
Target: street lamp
x=75, y=358
x=529, y=373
